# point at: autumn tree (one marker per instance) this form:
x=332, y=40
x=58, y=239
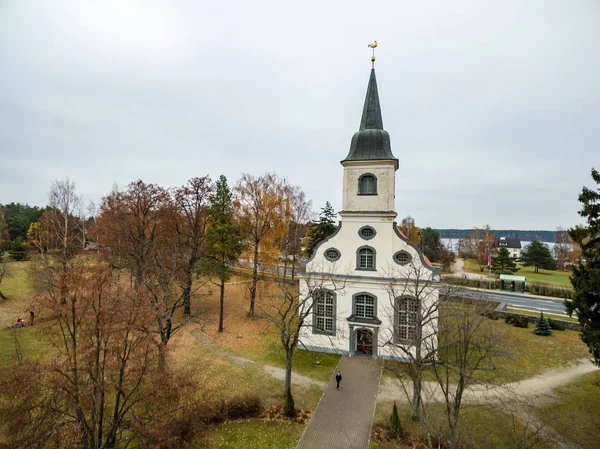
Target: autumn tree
x=586, y=275
x=320, y=230
x=223, y=240
x=410, y=229
x=296, y=228
x=192, y=203
x=537, y=254
x=562, y=248
x=3, y=272
x=263, y=213
x=503, y=263
x=59, y=232
x=4, y=236
x=128, y=224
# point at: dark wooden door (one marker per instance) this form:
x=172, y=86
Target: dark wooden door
x=364, y=341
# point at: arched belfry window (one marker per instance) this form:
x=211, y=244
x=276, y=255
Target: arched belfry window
x=367, y=184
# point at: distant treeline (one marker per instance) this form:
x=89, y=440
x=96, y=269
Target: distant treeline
x=544, y=236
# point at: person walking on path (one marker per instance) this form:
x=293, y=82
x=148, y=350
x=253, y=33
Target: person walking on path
x=338, y=379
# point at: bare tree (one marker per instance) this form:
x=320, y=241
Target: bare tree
x=192, y=203
x=263, y=212
x=288, y=311
x=562, y=248
x=60, y=232
x=296, y=228
x=414, y=304
x=464, y=357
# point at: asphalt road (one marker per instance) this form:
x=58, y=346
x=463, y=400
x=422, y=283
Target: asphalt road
x=519, y=300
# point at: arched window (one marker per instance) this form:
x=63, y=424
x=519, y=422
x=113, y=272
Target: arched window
x=365, y=258
x=365, y=306
x=407, y=319
x=324, y=310
x=367, y=184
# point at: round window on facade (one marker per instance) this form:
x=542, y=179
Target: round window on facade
x=332, y=254
x=367, y=232
x=402, y=257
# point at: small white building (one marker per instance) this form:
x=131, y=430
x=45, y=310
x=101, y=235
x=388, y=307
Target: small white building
x=512, y=245
x=369, y=285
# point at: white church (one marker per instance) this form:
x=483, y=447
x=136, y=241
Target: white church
x=367, y=283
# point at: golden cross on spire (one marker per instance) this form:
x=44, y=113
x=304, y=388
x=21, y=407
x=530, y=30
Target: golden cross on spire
x=373, y=46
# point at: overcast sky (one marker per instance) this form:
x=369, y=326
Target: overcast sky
x=493, y=107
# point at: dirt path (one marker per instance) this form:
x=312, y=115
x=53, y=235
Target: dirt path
x=458, y=270
x=538, y=387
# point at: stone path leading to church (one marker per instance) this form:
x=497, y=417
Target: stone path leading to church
x=344, y=417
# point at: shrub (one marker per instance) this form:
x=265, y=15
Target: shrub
x=541, y=326
x=289, y=409
x=522, y=321
x=491, y=314
x=556, y=325
x=517, y=320
x=395, y=429
x=243, y=407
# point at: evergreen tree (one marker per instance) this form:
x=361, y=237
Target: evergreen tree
x=538, y=255
x=321, y=229
x=503, y=263
x=223, y=240
x=586, y=277
x=542, y=327
x=395, y=429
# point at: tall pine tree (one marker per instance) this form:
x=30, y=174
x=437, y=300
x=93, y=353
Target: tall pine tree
x=503, y=263
x=223, y=240
x=321, y=229
x=586, y=276
x=538, y=255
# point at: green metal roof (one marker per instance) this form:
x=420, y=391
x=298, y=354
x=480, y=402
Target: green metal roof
x=511, y=277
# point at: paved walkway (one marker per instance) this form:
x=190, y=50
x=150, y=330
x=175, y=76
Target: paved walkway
x=343, y=418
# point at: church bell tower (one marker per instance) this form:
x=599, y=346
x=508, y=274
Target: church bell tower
x=370, y=166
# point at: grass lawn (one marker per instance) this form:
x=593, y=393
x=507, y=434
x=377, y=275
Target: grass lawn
x=255, y=434
x=525, y=354
x=575, y=412
x=550, y=277
x=547, y=315
x=479, y=427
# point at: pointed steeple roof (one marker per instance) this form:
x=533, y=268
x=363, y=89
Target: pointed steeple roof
x=371, y=116
x=371, y=142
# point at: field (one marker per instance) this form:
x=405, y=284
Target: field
x=550, y=277
x=232, y=365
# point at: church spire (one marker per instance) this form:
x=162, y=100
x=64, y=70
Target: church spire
x=371, y=142
x=371, y=116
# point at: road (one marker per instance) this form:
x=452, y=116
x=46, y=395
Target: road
x=518, y=300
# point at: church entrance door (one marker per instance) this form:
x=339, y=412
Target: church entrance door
x=364, y=341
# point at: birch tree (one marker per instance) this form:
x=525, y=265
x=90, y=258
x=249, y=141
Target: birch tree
x=262, y=214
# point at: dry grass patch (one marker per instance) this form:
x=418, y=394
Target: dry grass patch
x=575, y=410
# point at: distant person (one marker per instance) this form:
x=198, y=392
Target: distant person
x=31, y=315
x=338, y=379
x=19, y=322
